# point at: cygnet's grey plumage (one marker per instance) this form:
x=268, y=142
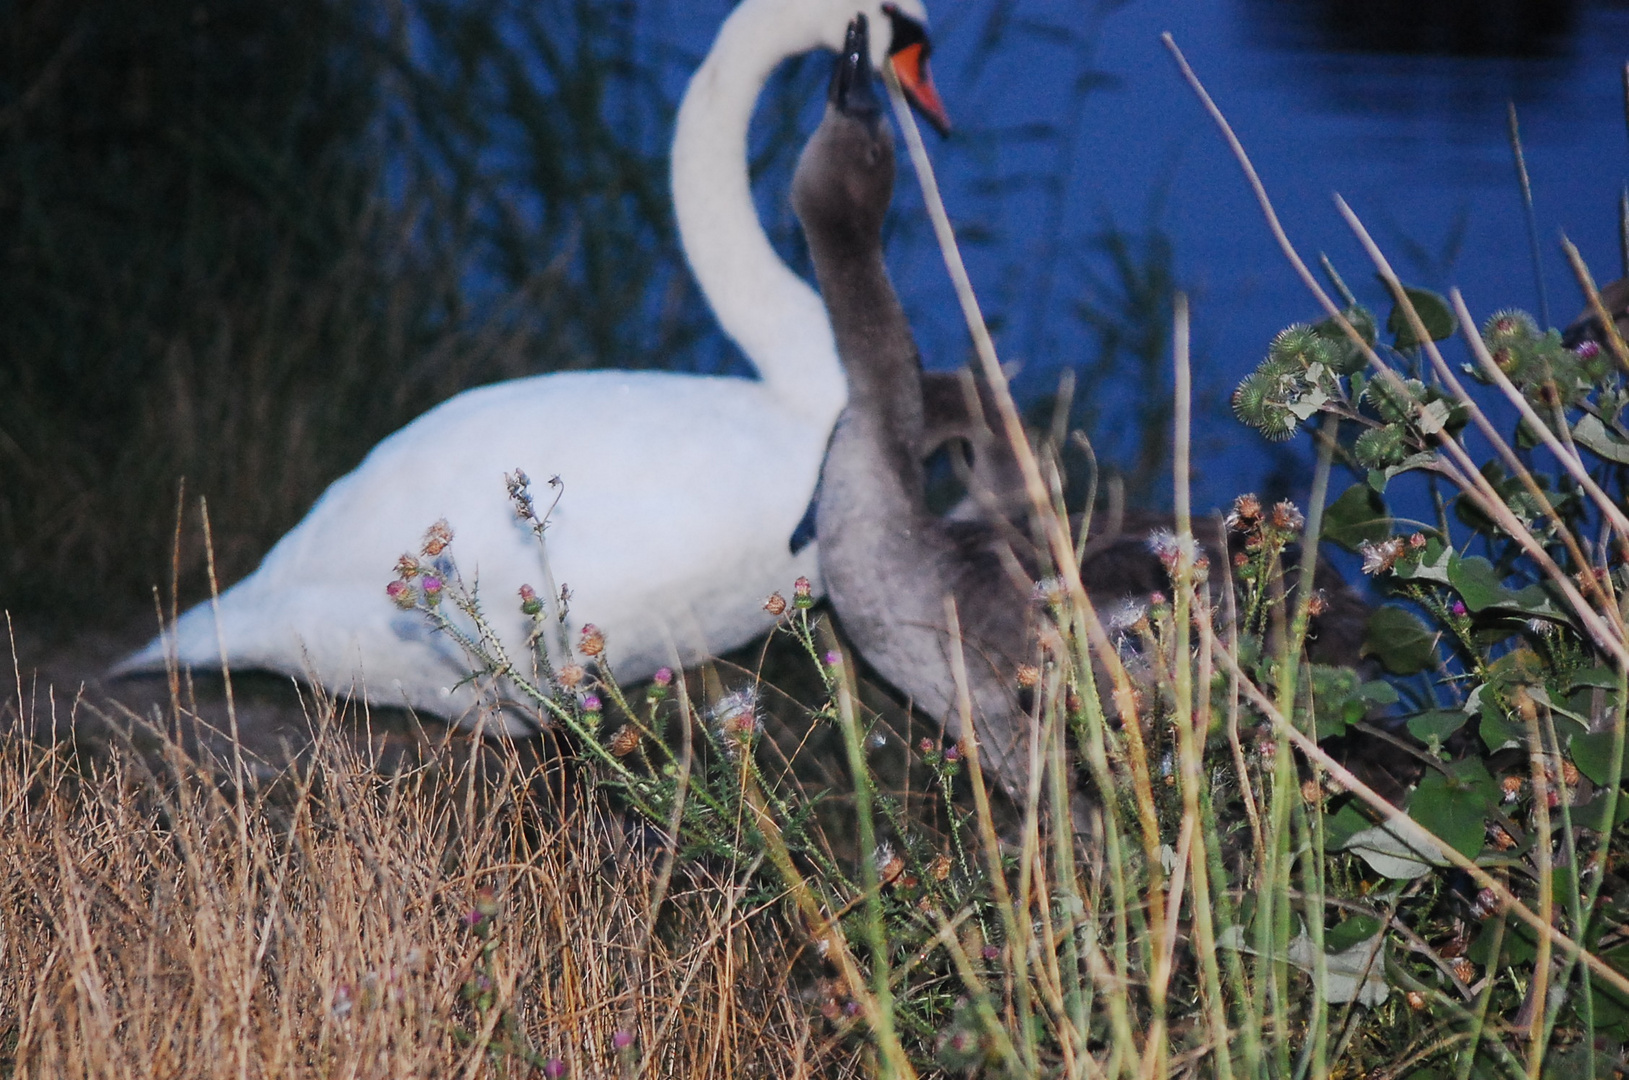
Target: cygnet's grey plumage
x=888, y=562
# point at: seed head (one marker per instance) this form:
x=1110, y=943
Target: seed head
x=1464, y=970
x=1029, y=675
x=1317, y=603
x=569, y=675
x=1287, y=517
x=1380, y=557
x=625, y=741
x=1512, y=786
x=775, y=604
x=889, y=863
x=939, y=868
x=407, y=567
x=1246, y=513
x=592, y=642
x=436, y=538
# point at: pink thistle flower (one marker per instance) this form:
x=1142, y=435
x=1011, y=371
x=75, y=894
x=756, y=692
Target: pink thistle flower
x=834, y=658
x=529, y=603
x=554, y=1068
x=400, y=595
x=663, y=677
x=591, y=703
x=802, y=593
x=621, y=1038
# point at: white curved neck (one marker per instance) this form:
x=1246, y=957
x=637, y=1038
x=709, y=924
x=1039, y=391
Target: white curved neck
x=770, y=312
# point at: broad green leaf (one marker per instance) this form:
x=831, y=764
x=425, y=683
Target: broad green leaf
x=1498, y=731
x=1342, y=825
x=1603, y=677
x=1592, y=753
x=1359, y=514
x=1437, y=724
x=1356, y=973
x=1478, y=583
x=1397, y=849
x=1378, y=692
x=1379, y=478
x=1455, y=804
x=1435, y=314
x=1593, y=435
x=1401, y=642
x=1432, y=565
x=1344, y=935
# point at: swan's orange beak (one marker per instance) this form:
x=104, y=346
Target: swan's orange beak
x=909, y=52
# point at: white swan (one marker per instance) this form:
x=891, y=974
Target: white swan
x=681, y=492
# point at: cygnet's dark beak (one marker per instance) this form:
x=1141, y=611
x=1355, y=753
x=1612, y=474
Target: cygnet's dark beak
x=909, y=49
x=852, y=91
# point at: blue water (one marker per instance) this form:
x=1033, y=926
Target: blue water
x=1417, y=145
x=1079, y=121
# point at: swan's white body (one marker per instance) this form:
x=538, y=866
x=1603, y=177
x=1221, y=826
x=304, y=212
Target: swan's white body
x=681, y=492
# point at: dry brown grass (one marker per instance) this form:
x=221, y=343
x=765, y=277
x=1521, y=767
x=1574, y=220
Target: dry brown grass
x=156, y=921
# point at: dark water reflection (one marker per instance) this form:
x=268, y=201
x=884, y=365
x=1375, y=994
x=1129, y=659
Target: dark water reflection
x=1417, y=144
x=1525, y=28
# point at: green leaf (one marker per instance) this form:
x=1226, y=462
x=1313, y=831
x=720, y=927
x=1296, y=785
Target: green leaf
x=1592, y=753
x=1593, y=435
x=1359, y=515
x=1432, y=564
x=1344, y=935
x=1478, y=583
x=1437, y=724
x=1378, y=692
x=1342, y=825
x=1399, y=640
x=1603, y=677
x=1397, y=849
x=1499, y=732
x=1435, y=315
x=1518, y=947
x=1455, y=804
